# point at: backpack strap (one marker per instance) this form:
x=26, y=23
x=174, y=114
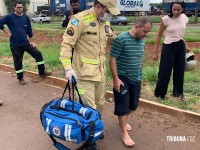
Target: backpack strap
x=58, y=145
x=88, y=142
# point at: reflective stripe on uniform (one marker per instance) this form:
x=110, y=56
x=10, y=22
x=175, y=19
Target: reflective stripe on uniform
x=108, y=23
x=81, y=91
x=19, y=71
x=66, y=62
x=40, y=63
x=90, y=61
x=88, y=18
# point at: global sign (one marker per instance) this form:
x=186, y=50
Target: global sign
x=131, y=3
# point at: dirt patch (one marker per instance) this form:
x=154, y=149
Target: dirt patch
x=41, y=37
x=149, y=48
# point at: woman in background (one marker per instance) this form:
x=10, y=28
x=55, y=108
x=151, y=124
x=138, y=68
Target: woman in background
x=173, y=51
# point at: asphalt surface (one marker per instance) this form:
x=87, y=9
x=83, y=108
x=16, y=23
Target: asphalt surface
x=21, y=129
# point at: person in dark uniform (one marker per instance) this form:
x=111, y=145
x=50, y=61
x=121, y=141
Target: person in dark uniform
x=74, y=10
x=20, y=29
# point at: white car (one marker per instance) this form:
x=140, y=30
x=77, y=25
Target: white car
x=41, y=18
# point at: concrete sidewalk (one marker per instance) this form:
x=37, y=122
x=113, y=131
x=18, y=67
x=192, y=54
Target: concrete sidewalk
x=21, y=129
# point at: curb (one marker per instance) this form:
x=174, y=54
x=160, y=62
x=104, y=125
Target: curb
x=58, y=82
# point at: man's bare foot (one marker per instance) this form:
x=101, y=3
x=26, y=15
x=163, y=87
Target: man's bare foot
x=127, y=140
x=129, y=128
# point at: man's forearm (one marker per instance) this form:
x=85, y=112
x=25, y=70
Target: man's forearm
x=113, y=67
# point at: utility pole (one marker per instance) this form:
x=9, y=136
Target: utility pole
x=196, y=12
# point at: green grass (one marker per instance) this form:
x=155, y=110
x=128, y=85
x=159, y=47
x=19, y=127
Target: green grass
x=150, y=73
x=196, y=50
x=5, y=49
x=186, y=104
x=52, y=25
x=155, y=19
x=166, y=102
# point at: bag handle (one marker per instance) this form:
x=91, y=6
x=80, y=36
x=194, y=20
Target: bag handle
x=74, y=88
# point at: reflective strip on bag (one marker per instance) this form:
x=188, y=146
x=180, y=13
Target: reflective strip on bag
x=19, y=71
x=108, y=23
x=83, y=111
x=90, y=61
x=81, y=91
x=63, y=102
x=97, y=134
x=48, y=123
x=66, y=62
x=40, y=63
x=68, y=129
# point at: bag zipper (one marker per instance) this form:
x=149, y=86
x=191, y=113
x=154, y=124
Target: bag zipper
x=65, y=118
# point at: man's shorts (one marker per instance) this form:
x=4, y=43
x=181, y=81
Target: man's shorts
x=124, y=103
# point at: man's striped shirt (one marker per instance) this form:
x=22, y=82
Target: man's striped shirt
x=128, y=52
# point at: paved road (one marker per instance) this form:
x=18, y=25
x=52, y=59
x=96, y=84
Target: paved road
x=20, y=127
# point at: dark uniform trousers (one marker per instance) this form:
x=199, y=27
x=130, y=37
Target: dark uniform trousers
x=18, y=53
x=172, y=57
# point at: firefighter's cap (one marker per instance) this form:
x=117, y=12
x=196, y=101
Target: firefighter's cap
x=111, y=5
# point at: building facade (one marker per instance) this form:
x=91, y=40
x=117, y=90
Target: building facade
x=2, y=8
x=34, y=3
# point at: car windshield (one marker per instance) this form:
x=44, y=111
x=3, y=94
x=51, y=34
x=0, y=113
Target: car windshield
x=121, y=17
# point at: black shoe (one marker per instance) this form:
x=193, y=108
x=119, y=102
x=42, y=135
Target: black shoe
x=160, y=97
x=93, y=146
x=22, y=81
x=45, y=74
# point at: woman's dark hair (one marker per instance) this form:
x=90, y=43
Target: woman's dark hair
x=182, y=3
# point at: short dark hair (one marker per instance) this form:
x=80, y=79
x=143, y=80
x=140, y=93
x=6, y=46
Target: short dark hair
x=74, y=1
x=182, y=3
x=17, y=2
x=143, y=20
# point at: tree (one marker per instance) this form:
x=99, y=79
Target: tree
x=10, y=4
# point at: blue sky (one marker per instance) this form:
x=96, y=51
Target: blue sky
x=155, y=1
